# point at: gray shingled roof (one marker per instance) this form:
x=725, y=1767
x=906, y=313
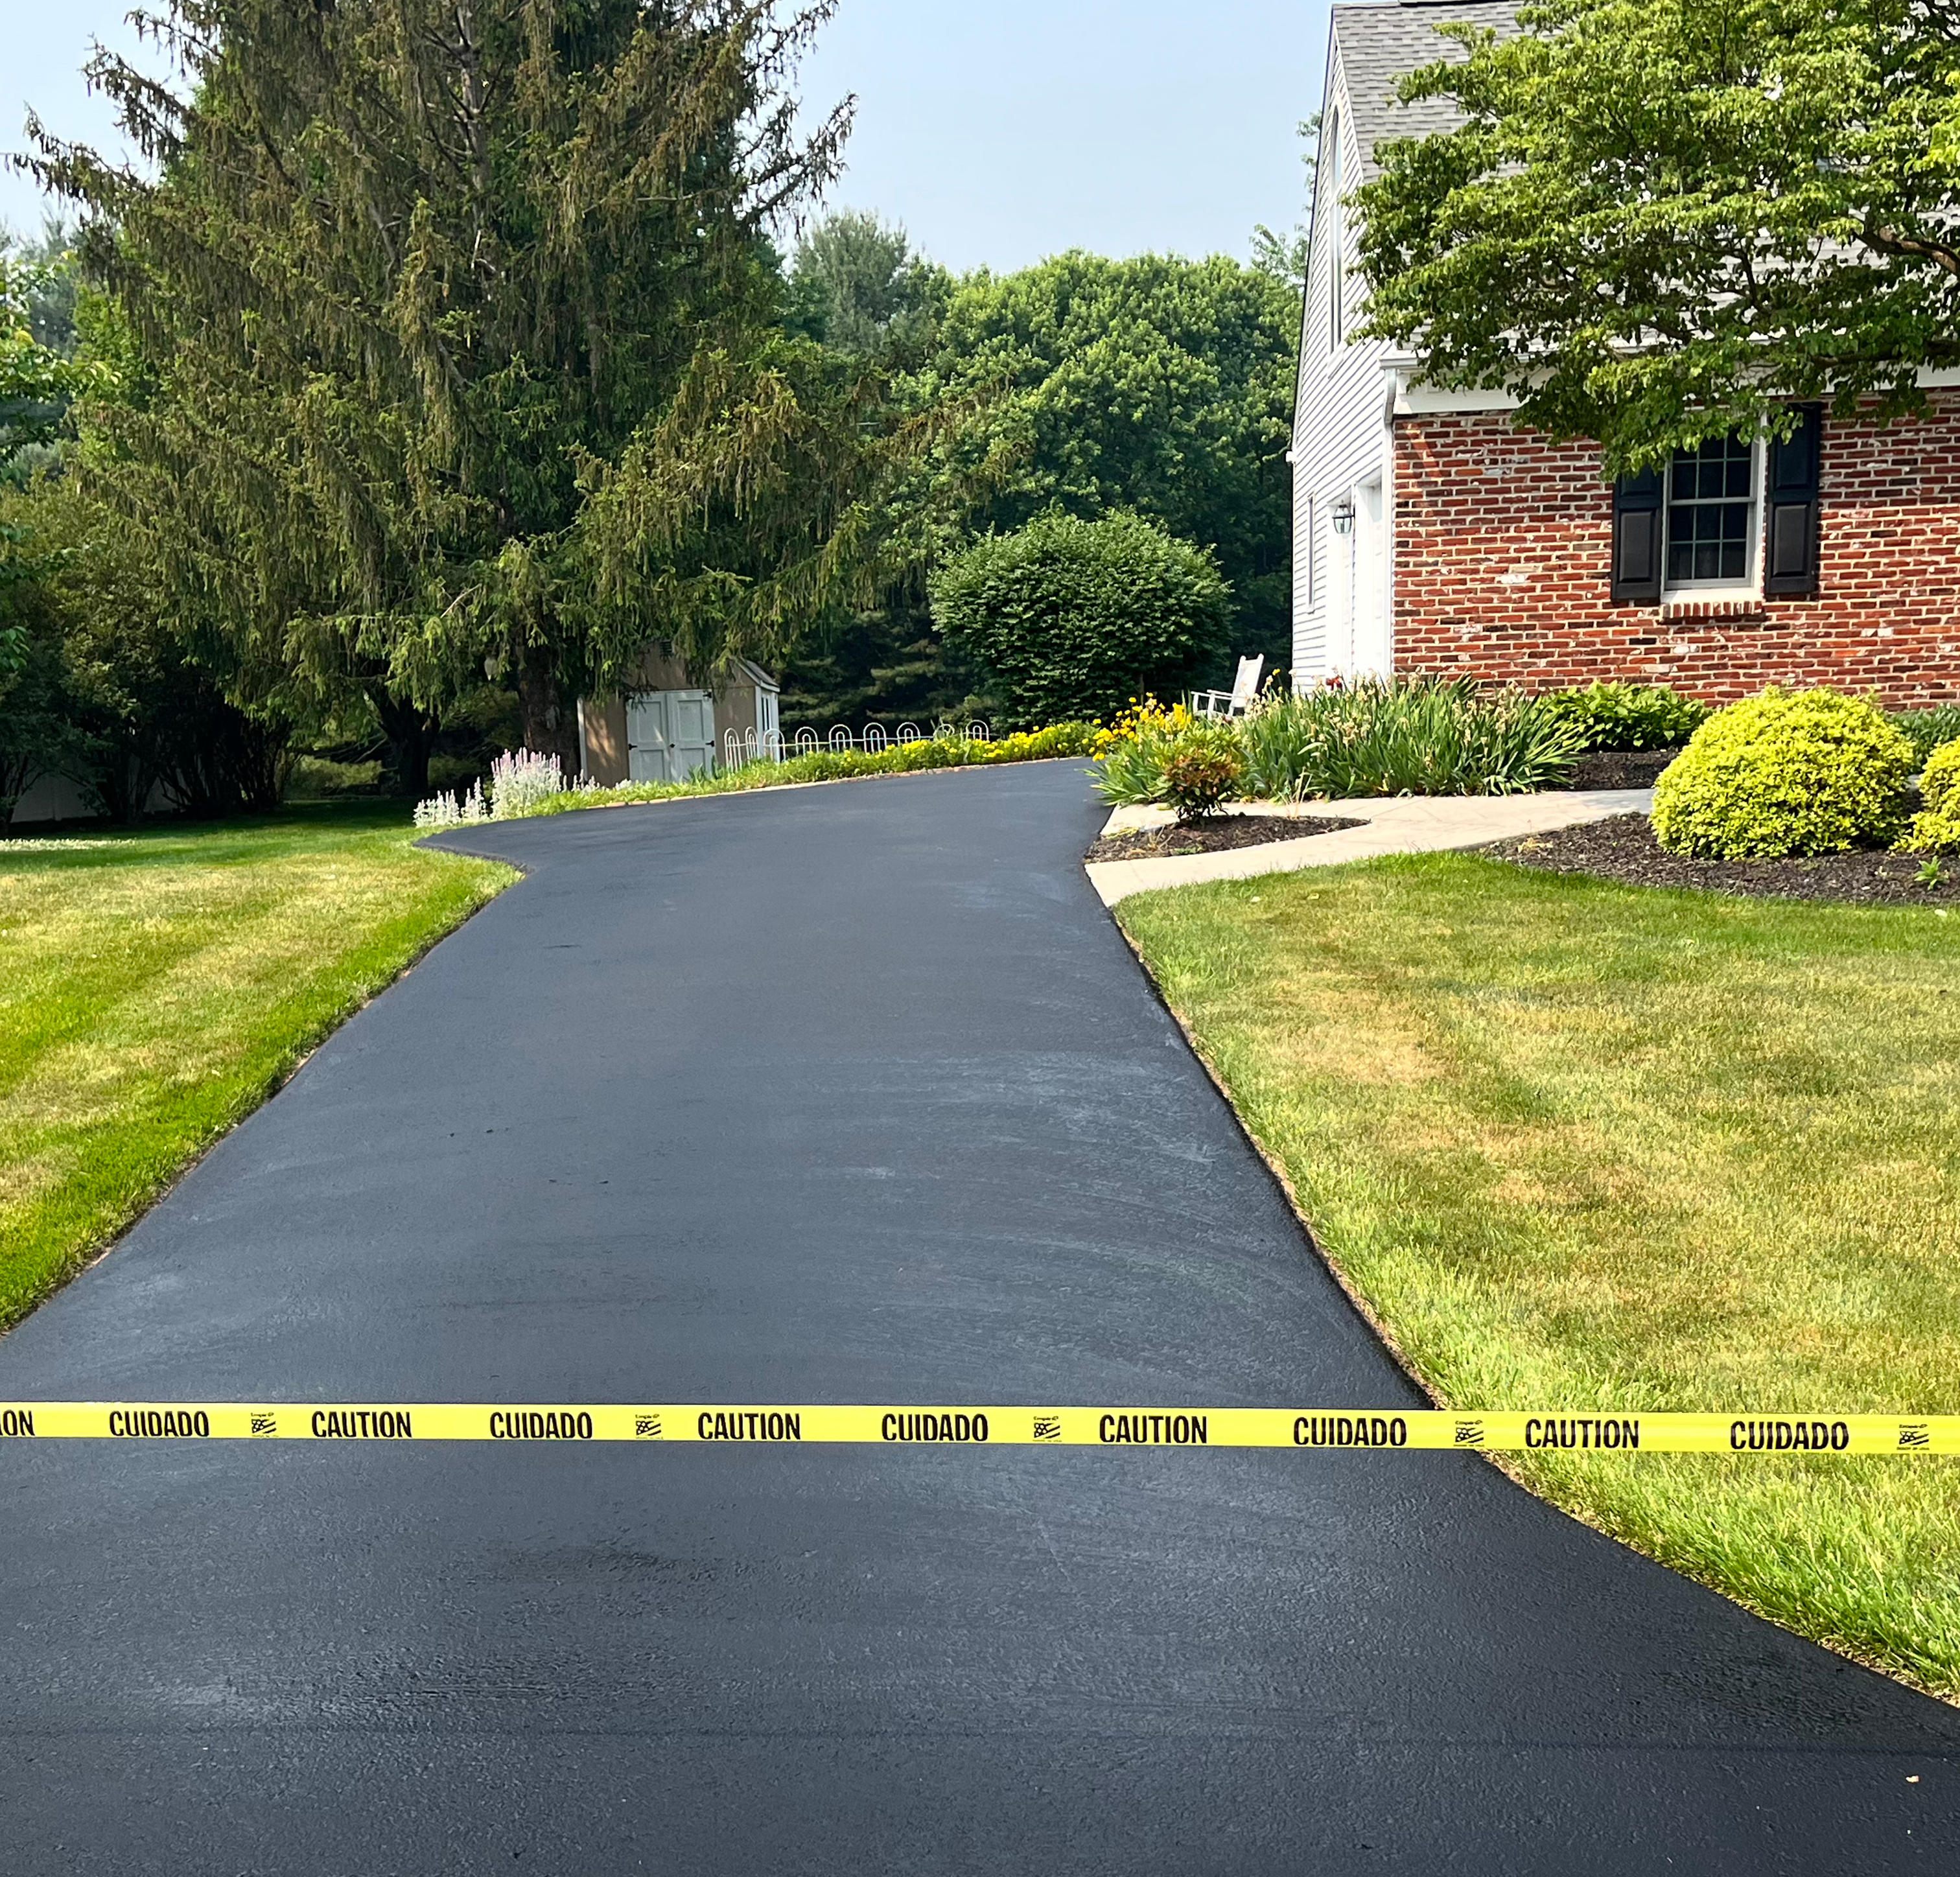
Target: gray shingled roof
x=1381, y=44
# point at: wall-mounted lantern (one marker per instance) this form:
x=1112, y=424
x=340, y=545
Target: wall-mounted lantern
x=1343, y=514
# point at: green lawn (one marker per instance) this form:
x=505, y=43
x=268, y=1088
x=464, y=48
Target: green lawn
x=1580, y=1145
x=156, y=985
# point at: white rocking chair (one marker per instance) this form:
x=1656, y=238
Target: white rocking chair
x=1235, y=702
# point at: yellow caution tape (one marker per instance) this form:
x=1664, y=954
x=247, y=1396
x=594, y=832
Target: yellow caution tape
x=1317, y=1428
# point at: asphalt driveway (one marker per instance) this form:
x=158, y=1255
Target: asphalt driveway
x=848, y=1093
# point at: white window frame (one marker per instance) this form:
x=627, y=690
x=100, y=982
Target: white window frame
x=1750, y=585
x=1337, y=245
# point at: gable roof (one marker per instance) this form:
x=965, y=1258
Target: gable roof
x=1380, y=44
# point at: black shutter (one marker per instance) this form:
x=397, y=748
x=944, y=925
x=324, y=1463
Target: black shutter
x=1636, y=513
x=1790, y=522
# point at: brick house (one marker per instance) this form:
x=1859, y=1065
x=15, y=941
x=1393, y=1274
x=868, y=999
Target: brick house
x=1432, y=535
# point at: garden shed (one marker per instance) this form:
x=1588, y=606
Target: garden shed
x=665, y=726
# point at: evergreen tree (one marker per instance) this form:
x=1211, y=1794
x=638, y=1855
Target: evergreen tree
x=450, y=345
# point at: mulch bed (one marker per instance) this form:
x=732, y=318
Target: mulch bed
x=1621, y=768
x=1623, y=847
x=1215, y=835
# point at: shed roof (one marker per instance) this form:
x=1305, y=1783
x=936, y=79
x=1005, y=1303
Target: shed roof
x=1381, y=44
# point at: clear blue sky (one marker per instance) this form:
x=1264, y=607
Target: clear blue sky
x=998, y=131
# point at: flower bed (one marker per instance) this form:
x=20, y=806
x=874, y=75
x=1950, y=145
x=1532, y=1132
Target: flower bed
x=535, y=786
x=1217, y=834
x=1389, y=737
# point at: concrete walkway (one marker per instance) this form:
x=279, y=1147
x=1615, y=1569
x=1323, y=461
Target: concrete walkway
x=1399, y=824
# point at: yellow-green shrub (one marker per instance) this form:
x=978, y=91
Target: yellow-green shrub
x=1935, y=829
x=1785, y=773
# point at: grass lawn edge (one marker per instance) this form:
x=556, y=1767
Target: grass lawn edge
x=292, y=1056
x=1633, y=1541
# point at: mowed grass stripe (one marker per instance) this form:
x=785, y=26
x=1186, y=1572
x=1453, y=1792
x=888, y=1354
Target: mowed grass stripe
x=1582, y=1142
x=156, y=986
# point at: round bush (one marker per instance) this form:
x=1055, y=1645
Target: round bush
x=1935, y=829
x=1785, y=773
x=1073, y=618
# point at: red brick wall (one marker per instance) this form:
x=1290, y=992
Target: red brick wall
x=1504, y=540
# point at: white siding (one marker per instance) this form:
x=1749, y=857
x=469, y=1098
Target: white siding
x=1340, y=438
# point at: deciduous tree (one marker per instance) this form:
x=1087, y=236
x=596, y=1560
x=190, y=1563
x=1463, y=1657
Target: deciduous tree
x=1155, y=384
x=1075, y=620
x=856, y=285
x=1658, y=222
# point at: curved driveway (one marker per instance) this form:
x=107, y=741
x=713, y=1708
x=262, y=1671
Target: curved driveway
x=850, y=1093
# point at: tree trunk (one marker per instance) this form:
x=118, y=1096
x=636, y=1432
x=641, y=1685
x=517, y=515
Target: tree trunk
x=551, y=720
x=411, y=734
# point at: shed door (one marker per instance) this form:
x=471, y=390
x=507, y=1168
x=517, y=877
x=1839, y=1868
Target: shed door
x=670, y=735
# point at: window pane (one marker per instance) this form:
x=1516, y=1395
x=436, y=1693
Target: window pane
x=1710, y=504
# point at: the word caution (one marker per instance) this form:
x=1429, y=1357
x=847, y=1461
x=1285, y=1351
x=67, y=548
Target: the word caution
x=1321, y=1429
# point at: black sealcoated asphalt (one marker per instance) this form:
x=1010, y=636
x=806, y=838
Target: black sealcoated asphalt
x=854, y=1094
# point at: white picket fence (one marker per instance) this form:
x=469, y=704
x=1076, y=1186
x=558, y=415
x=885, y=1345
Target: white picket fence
x=774, y=747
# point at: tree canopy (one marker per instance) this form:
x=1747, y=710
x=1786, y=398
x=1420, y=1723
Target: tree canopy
x=451, y=345
x=1074, y=619
x=1156, y=384
x=1658, y=223
x=855, y=283
x=39, y=374
x=438, y=359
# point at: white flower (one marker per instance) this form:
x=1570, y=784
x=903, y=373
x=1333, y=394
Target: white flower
x=521, y=781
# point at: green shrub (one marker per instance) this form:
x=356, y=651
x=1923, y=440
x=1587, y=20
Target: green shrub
x=1935, y=829
x=1630, y=716
x=1072, y=618
x=1405, y=736
x=1203, y=771
x=1785, y=773
x=1925, y=730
